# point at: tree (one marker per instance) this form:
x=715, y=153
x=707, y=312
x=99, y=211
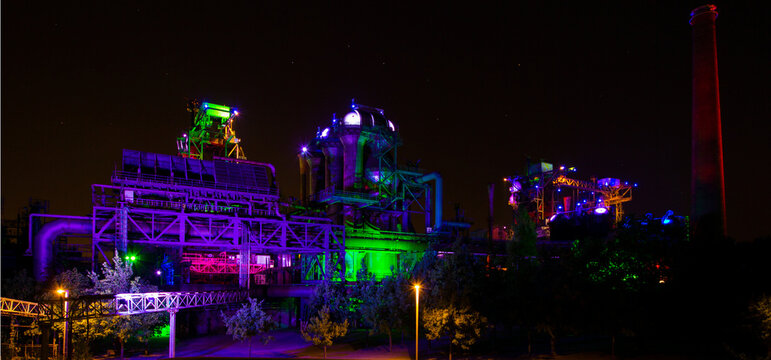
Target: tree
x=452, y=290
x=116, y=279
x=334, y=296
x=525, y=236
x=248, y=322
x=322, y=331
x=381, y=306
x=462, y=325
x=761, y=309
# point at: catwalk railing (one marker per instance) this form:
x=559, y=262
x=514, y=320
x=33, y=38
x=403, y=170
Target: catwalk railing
x=18, y=307
x=130, y=304
x=94, y=306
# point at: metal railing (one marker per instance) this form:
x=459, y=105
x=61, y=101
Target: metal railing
x=18, y=307
x=142, y=303
x=121, y=176
x=92, y=306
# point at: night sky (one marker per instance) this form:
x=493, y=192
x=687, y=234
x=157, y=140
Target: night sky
x=474, y=90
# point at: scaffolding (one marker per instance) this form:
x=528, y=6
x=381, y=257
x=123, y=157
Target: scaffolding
x=211, y=133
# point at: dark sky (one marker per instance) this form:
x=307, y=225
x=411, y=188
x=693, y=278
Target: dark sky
x=474, y=89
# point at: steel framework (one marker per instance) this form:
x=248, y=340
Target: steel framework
x=200, y=263
x=18, y=307
x=95, y=306
x=610, y=195
x=143, y=303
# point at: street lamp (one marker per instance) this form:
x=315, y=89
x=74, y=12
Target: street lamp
x=66, y=343
x=417, y=302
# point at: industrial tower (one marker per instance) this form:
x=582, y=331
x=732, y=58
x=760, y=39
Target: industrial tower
x=350, y=171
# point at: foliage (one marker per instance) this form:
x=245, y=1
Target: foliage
x=525, y=235
x=461, y=324
x=73, y=281
x=117, y=279
x=249, y=321
x=322, y=330
x=334, y=296
x=453, y=286
x=761, y=309
x=381, y=306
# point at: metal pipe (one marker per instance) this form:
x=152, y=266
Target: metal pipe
x=437, y=178
x=28, y=252
x=300, y=291
x=43, y=242
x=351, y=152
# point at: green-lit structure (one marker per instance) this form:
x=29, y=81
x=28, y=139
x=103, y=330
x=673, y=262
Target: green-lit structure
x=350, y=172
x=211, y=133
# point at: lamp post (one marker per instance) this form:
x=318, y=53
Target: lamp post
x=67, y=341
x=417, y=315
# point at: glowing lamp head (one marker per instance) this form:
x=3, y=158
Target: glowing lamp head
x=133, y=258
x=352, y=119
x=158, y=272
x=666, y=221
x=325, y=133
x=60, y=291
x=235, y=112
x=305, y=149
x=417, y=287
x=600, y=210
x=552, y=217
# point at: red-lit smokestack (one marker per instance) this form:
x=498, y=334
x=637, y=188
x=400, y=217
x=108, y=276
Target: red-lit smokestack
x=707, y=181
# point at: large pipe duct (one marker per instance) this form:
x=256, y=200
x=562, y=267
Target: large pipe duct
x=353, y=155
x=437, y=196
x=333, y=160
x=301, y=291
x=707, y=179
x=43, y=243
x=305, y=174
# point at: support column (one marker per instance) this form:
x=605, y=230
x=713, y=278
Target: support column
x=172, y=332
x=45, y=340
x=122, y=228
x=67, y=341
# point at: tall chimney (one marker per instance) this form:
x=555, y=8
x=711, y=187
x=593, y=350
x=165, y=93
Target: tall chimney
x=707, y=180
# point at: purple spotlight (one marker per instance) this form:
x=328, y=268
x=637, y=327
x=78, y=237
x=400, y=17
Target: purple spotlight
x=552, y=217
x=158, y=272
x=600, y=211
x=235, y=112
x=305, y=149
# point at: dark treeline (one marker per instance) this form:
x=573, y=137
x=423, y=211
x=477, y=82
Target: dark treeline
x=641, y=290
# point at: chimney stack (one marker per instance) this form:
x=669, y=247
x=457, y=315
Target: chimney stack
x=707, y=179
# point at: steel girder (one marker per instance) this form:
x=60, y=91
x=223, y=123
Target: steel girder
x=216, y=232
x=143, y=303
x=18, y=307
